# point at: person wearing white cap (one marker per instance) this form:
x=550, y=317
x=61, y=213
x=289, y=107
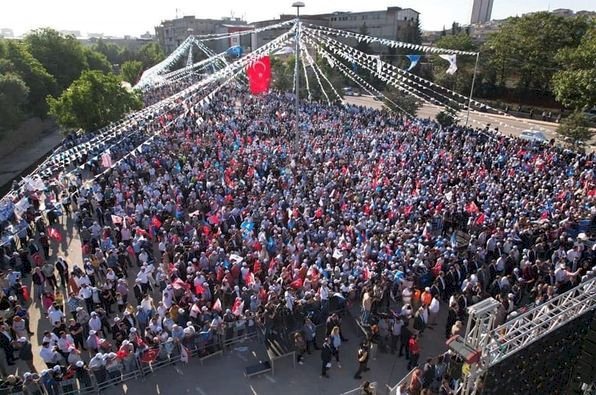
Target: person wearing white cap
x=95, y=323
x=92, y=341
x=74, y=355
x=433, y=311
x=563, y=277
x=167, y=296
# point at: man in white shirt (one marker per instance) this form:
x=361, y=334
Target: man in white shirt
x=50, y=337
x=563, y=276
x=50, y=356
x=64, y=343
x=55, y=315
x=95, y=322
x=433, y=311
x=167, y=296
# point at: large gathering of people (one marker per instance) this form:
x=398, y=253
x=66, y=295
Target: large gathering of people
x=229, y=223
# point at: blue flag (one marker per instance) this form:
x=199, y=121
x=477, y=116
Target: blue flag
x=413, y=61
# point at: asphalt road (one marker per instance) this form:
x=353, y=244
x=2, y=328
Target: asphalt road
x=507, y=124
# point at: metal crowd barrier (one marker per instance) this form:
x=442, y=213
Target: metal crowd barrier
x=405, y=381
x=100, y=379
x=358, y=391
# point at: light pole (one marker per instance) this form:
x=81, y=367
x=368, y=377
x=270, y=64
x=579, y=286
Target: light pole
x=297, y=5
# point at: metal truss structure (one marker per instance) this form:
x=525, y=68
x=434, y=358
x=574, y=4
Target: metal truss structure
x=481, y=321
x=497, y=344
x=525, y=329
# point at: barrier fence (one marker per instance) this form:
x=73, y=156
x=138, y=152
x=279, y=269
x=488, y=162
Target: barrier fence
x=405, y=381
x=358, y=391
x=96, y=379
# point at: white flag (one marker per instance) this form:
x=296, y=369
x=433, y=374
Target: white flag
x=452, y=63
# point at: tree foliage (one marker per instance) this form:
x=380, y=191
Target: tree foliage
x=523, y=50
x=62, y=56
x=131, y=71
x=575, y=129
x=150, y=54
x=13, y=96
x=113, y=52
x=445, y=119
x=461, y=81
x=15, y=58
x=282, y=72
x=574, y=85
x=404, y=101
x=97, y=61
x=93, y=101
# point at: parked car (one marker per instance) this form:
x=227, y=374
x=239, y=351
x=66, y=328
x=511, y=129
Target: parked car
x=349, y=91
x=533, y=135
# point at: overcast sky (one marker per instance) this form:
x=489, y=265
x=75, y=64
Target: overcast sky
x=134, y=17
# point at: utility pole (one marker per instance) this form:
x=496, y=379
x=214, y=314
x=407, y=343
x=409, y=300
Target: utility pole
x=297, y=5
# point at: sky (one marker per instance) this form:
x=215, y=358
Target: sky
x=135, y=17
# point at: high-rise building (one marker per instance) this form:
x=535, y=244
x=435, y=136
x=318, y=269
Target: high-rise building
x=481, y=11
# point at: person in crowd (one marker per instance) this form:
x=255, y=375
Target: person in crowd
x=362, y=357
x=369, y=206
x=414, y=349
x=326, y=355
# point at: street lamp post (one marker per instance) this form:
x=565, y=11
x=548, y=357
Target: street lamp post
x=297, y=5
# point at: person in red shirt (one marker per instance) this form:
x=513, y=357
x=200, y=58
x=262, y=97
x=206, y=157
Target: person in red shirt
x=414, y=351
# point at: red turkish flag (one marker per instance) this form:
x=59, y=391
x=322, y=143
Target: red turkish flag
x=480, y=219
x=259, y=75
x=471, y=208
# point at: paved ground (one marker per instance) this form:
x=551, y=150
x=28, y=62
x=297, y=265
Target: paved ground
x=225, y=375
x=214, y=376
x=21, y=148
x=506, y=124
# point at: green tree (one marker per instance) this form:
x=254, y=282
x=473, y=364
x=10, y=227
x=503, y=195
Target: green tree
x=18, y=60
x=97, y=61
x=150, y=54
x=574, y=85
x=113, y=52
x=405, y=102
x=575, y=129
x=445, y=119
x=62, y=56
x=13, y=96
x=131, y=71
x=461, y=81
x=523, y=51
x=93, y=101
x=455, y=29
x=282, y=73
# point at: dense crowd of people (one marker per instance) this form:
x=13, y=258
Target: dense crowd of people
x=227, y=222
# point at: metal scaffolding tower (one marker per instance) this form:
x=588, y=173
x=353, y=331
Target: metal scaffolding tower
x=497, y=344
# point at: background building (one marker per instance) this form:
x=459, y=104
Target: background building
x=481, y=11
x=171, y=33
x=6, y=33
x=392, y=23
